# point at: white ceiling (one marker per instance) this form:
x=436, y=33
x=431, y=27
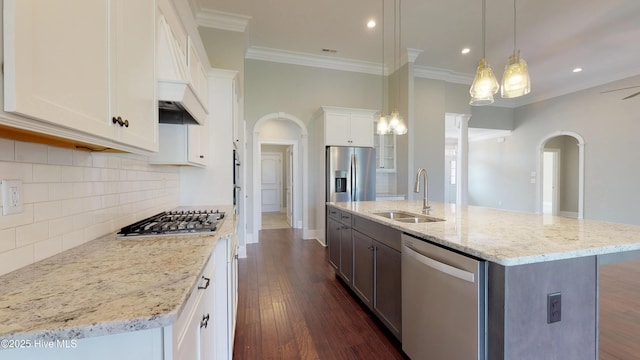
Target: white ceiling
x=554, y=36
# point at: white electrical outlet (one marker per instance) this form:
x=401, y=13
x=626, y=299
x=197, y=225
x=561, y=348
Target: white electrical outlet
x=11, y=197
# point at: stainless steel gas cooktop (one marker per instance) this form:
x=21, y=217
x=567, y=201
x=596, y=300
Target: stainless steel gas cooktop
x=177, y=222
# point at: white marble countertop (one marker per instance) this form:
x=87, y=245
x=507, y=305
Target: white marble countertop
x=506, y=237
x=106, y=286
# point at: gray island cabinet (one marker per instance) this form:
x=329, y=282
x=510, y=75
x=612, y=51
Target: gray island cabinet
x=532, y=261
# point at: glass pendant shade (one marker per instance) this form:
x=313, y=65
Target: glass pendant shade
x=515, y=81
x=395, y=125
x=383, y=125
x=484, y=85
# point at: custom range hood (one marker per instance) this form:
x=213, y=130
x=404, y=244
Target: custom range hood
x=178, y=103
x=181, y=94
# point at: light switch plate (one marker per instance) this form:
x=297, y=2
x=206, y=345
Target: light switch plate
x=11, y=197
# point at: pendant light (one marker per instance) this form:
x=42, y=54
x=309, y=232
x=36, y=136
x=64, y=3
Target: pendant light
x=484, y=85
x=515, y=81
x=382, y=127
x=396, y=123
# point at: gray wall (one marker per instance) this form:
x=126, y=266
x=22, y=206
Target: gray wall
x=300, y=91
x=609, y=126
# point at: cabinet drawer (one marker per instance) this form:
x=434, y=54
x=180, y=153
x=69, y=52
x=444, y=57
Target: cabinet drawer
x=345, y=218
x=381, y=233
x=181, y=327
x=333, y=213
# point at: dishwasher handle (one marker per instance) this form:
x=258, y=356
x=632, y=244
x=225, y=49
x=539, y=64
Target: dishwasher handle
x=439, y=266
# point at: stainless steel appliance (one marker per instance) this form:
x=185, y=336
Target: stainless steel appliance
x=351, y=173
x=177, y=222
x=443, y=302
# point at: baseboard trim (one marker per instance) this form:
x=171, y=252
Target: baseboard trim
x=569, y=214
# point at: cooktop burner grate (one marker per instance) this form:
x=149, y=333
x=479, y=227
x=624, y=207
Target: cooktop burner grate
x=176, y=222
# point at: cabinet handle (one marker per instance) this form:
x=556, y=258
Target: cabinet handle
x=201, y=156
x=205, y=321
x=206, y=283
x=120, y=122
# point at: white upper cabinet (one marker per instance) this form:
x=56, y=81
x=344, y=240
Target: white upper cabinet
x=348, y=127
x=385, y=153
x=182, y=145
x=57, y=63
x=80, y=64
x=133, y=84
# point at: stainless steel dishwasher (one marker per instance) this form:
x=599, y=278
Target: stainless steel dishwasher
x=443, y=303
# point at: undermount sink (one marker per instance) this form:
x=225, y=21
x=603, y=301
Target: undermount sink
x=406, y=217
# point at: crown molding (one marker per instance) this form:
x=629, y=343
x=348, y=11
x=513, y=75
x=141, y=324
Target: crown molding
x=428, y=72
x=411, y=55
x=222, y=20
x=305, y=59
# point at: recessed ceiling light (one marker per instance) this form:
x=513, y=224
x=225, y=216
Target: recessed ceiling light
x=371, y=24
x=577, y=70
x=465, y=51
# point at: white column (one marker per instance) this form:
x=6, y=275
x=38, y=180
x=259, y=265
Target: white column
x=462, y=161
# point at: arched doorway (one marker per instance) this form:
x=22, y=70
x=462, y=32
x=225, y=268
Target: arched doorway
x=560, y=175
x=299, y=146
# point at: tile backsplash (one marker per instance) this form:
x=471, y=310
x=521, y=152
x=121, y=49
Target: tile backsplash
x=71, y=197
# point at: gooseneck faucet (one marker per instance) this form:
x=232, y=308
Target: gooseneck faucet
x=425, y=202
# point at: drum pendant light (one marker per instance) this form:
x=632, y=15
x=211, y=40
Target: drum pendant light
x=515, y=81
x=484, y=85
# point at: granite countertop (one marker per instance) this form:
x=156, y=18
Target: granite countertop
x=506, y=237
x=105, y=286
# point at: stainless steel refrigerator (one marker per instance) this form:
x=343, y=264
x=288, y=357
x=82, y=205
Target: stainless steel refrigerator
x=350, y=173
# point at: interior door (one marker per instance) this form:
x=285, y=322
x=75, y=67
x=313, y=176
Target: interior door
x=271, y=182
x=289, y=186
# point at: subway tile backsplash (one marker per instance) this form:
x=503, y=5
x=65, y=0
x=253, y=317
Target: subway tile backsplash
x=71, y=197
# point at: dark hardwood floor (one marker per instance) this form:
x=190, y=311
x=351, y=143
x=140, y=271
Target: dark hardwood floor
x=292, y=306
x=620, y=311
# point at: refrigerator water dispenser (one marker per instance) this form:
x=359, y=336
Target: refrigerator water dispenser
x=341, y=181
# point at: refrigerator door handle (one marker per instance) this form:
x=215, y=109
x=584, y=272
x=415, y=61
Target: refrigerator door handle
x=354, y=173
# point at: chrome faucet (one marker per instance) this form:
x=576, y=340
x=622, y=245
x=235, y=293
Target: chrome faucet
x=425, y=202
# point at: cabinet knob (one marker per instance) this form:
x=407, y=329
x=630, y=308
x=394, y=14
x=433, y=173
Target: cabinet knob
x=206, y=283
x=205, y=321
x=118, y=120
x=201, y=156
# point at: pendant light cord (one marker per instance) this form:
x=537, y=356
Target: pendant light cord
x=514, y=26
x=382, y=30
x=484, y=54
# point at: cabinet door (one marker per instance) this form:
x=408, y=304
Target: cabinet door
x=57, y=63
x=385, y=152
x=133, y=75
x=387, y=301
x=198, y=138
x=363, y=267
x=333, y=241
x=346, y=254
x=337, y=129
x=361, y=130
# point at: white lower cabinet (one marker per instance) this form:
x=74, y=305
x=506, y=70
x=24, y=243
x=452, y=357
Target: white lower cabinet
x=204, y=329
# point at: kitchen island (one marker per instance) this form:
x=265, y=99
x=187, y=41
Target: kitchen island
x=108, y=292
x=528, y=258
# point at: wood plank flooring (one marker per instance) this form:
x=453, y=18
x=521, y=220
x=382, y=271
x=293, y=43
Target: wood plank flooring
x=291, y=306
x=620, y=311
